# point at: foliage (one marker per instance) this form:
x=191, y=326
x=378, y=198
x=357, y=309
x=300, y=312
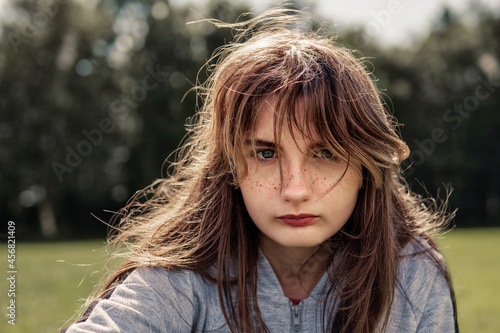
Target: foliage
x=446, y=95
x=92, y=104
x=93, y=100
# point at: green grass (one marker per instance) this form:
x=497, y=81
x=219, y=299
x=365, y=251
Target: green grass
x=472, y=256
x=54, y=279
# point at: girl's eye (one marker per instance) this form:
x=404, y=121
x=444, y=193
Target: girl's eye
x=324, y=153
x=266, y=154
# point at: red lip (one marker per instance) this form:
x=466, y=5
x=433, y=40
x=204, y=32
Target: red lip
x=297, y=220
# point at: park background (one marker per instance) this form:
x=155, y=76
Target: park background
x=94, y=98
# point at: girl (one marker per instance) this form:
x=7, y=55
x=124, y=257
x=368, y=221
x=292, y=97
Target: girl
x=286, y=212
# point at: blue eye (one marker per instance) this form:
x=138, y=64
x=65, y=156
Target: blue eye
x=324, y=153
x=266, y=154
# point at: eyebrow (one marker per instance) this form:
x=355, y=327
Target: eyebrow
x=260, y=143
x=270, y=144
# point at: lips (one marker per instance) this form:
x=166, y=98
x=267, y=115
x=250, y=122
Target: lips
x=297, y=220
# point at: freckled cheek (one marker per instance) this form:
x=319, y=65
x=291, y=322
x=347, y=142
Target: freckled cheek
x=264, y=184
x=350, y=183
x=322, y=182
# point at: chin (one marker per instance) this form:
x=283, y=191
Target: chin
x=302, y=243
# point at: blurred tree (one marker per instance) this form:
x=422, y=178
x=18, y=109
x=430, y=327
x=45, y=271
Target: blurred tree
x=90, y=99
x=445, y=92
x=93, y=99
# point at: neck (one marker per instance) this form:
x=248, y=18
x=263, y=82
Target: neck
x=298, y=269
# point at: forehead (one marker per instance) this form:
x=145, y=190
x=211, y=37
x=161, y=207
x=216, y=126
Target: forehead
x=267, y=121
x=264, y=123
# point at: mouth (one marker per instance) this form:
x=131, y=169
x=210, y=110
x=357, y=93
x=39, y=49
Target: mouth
x=297, y=220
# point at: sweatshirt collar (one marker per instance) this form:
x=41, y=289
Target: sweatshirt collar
x=268, y=284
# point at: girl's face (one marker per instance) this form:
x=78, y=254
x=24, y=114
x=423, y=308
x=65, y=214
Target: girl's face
x=313, y=198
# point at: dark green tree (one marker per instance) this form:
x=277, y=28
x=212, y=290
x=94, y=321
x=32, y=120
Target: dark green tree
x=90, y=99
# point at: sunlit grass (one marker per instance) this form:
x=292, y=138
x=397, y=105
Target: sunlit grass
x=472, y=256
x=55, y=278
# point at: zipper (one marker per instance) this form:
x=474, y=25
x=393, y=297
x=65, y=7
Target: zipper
x=296, y=318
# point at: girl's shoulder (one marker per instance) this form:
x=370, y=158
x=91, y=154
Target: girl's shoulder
x=155, y=299
x=420, y=260
x=182, y=285
x=421, y=248
x=423, y=295
x=163, y=276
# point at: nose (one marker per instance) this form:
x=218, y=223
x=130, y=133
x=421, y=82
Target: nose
x=296, y=186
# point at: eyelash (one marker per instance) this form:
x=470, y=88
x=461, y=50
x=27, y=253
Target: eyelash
x=320, y=154
x=261, y=158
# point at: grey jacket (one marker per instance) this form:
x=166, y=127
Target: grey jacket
x=154, y=300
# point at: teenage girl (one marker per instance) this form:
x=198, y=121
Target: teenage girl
x=286, y=211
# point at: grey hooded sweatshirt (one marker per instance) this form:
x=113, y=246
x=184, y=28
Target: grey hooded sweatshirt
x=154, y=300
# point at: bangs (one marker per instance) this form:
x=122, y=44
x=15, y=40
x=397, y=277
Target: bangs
x=305, y=109
x=318, y=90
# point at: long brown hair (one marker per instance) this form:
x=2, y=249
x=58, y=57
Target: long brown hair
x=195, y=218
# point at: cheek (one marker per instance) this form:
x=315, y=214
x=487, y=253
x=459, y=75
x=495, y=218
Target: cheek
x=351, y=181
x=348, y=180
x=258, y=180
x=343, y=191
x=256, y=195
x=326, y=180
x=349, y=189
x=256, y=185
